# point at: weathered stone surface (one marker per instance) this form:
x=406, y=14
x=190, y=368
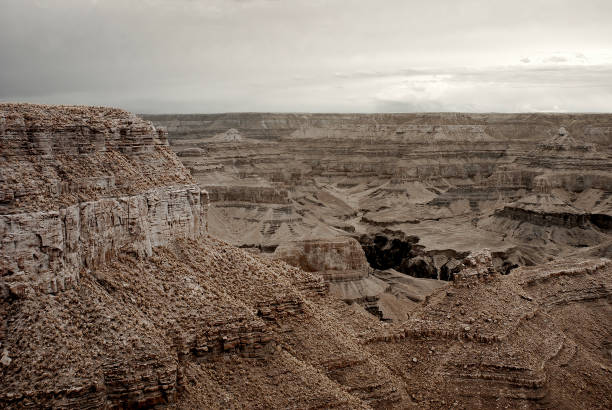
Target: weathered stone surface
x=59, y=218
x=513, y=339
x=339, y=255
x=111, y=294
x=477, y=267
x=342, y=263
x=46, y=250
x=57, y=156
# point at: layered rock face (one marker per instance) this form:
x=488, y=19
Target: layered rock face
x=112, y=295
x=88, y=179
x=45, y=251
x=57, y=156
x=341, y=255
x=342, y=263
x=568, y=203
x=515, y=339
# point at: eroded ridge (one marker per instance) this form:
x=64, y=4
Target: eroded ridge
x=511, y=338
x=82, y=184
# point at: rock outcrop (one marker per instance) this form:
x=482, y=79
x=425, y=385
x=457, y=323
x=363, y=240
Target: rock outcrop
x=45, y=251
x=513, y=339
x=333, y=259
x=341, y=262
x=81, y=185
x=112, y=295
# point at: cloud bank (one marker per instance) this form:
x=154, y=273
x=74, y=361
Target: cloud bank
x=309, y=55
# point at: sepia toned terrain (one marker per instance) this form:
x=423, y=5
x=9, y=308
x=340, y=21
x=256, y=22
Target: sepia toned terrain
x=419, y=192
x=304, y=260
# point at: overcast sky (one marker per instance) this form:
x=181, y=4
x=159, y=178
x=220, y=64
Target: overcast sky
x=154, y=56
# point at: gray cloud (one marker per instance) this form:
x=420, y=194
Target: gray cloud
x=556, y=59
x=308, y=55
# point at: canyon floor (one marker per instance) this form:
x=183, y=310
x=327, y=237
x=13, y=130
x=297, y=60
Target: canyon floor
x=304, y=260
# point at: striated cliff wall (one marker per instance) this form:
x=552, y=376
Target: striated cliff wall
x=46, y=250
x=95, y=182
x=340, y=255
x=113, y=296
x=341, y=262
x=256, y=195
x=56, y=156
x=595, y=128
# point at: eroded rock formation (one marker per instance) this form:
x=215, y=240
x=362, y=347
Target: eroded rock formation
x=527, y=186
x=342, y=263
x=81, y=185
x=512, y=339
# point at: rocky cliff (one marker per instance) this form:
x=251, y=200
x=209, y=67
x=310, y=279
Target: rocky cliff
x=79, y=186
x=112, y=295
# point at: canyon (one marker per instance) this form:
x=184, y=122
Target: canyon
x=418, y=191
x=304, y=260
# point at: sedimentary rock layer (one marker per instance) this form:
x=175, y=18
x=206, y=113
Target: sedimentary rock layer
x=46, y=250
x=81, y=185
x=514, y=339
x=454, y=182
